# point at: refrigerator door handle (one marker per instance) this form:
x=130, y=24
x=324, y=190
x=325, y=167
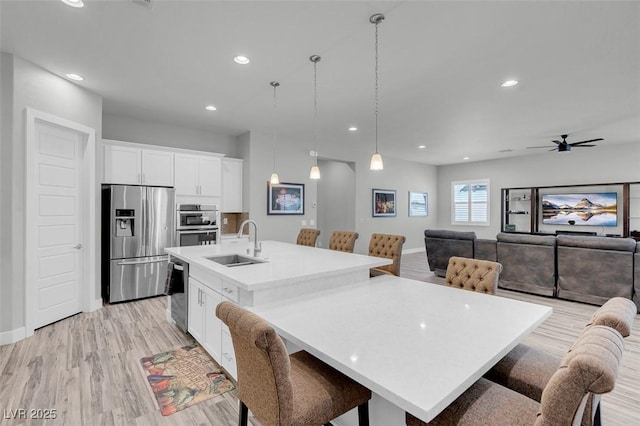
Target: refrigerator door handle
x=142, y=262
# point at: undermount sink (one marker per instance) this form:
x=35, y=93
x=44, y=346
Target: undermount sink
x=231, y=260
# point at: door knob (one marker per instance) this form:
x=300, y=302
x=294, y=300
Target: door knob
x=78, y=246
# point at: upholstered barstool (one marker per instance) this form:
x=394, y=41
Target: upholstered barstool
x=343, y=241
x=389, y=246
x=527, y=370
x=473, y=274
x=282, y=389
x=307, y=237
x=589, y=368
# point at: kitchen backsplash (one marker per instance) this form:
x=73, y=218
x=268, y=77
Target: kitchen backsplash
x=232, y=222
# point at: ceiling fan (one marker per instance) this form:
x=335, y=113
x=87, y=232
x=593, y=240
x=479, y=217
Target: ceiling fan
x=564, y=146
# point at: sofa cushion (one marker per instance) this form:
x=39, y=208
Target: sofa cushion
x=452, y=235
x=541, y=240
x=599, y=243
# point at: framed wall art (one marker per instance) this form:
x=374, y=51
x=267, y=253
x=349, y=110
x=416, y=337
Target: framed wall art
x=418, y=204
x=383, y=202
x=285, y=198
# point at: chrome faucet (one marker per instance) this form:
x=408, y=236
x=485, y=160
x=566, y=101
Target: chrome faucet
x=257, y=248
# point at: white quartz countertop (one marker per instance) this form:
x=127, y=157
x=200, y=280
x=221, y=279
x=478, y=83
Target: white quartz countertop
x=284, y=263
x=418, y=345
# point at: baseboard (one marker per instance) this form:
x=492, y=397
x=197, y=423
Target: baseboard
x=97, y=304
x=413, y=250
x=12, y=336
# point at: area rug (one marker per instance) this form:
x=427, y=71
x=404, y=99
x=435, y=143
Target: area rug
x=184, y=377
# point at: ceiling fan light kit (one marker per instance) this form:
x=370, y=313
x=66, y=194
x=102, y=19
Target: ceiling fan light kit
x=564, y=146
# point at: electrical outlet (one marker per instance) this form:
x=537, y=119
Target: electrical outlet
x=225, y=221
x=312, y=222
x=304, y=223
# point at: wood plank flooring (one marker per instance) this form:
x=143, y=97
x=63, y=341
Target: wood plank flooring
x=87, y=367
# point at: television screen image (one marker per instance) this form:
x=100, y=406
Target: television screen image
x=592, y=209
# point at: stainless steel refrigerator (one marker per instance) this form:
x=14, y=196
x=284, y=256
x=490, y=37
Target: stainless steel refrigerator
x=138, y=222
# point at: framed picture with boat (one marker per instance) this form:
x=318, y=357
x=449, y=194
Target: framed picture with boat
x=285, y=199
x=383, y=202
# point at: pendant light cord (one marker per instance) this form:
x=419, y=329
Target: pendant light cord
x=275, y=84
x=315, y=108
x=376, y=91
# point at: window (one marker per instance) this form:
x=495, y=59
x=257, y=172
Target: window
x=470, y=202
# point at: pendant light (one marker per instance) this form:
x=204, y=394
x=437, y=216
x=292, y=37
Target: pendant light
x=376, y=158
x=315, y=171
x=275, y=180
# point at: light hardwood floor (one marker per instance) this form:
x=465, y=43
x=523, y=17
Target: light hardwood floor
x=87, y=367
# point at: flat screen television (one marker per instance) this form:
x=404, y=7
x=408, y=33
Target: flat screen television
x=591, y=209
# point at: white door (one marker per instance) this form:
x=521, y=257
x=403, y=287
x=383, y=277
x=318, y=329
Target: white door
x=58, y=214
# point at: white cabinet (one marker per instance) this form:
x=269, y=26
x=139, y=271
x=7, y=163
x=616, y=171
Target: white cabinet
x=157, y=168
x=228, y=358
x=204, y=326
x=137, y=166
x=196, y=310
x=231, y=185
x=197, y=175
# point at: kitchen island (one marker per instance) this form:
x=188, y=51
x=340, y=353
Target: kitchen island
x=416, y=345
x=281, y=271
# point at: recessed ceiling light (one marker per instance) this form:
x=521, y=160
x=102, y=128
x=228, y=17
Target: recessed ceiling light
x=465, y=158
x=422, y=146
x=242, y=60
x=75, y=77
x=210, y=108
x=509, y=83
x=73, y=3
x=353, y=129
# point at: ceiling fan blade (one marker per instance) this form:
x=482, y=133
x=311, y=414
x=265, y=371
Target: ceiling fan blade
x=557, y=142
x=590, y=140
x=582, y=146
x=545, y=146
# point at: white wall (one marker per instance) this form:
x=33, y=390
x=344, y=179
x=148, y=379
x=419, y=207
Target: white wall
x=36, y=88
x=602, y=164
x=336, y=199
x=156, y=133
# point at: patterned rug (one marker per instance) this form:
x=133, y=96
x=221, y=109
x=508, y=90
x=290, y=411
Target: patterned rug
x=184, y=377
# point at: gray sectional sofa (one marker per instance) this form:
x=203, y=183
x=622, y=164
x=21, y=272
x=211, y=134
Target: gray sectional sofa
x=528, y=263
x=595, y=269
x=442, y=244
x=588, y=269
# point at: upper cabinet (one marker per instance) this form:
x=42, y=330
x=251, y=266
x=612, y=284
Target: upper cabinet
x=137, y=166
x=198, y=175
x=231, y=185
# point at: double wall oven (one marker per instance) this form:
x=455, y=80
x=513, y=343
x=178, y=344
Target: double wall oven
x=197, y=224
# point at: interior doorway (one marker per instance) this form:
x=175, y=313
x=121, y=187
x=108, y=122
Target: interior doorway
x=336, y=209
x=60, y=237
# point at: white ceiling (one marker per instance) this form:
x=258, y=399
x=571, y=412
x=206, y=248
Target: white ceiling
x=441, y=66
